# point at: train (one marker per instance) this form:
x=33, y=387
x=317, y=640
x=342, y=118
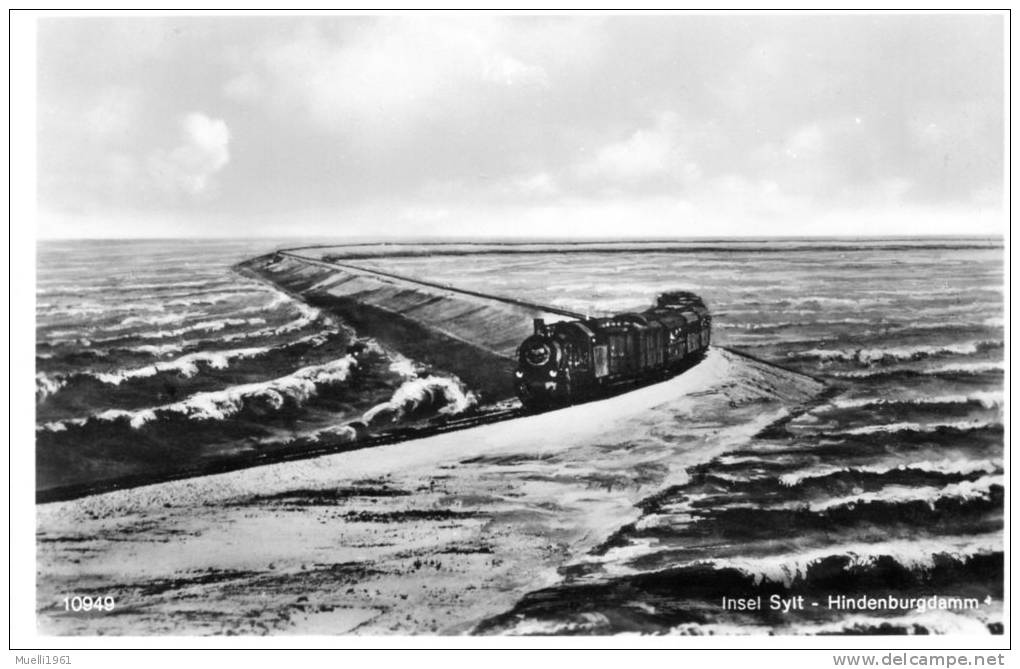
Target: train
x=573, y=361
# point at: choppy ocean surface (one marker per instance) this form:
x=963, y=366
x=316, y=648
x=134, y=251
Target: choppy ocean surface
x=154, y=354
x=151, y=356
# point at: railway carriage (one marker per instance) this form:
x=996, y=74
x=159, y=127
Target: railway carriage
x=572, y=361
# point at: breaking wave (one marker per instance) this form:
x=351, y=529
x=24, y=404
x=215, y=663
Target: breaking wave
x=306, y=315
x=204, y=299
x=418, y=396
x=403, y=366
x=294, y=389
x=871, y=356
x=981, y=489
x=930, y=622
x=957, y=369
x=165, y=319
x=958, y=426
x=341, y=433
x=187, y=365
x=945, y=466
x=46, y=386
x=279, y=300
x=157, y=350
x=912, y=555
x=988, y=400
x=683, y=597
x=202, y=326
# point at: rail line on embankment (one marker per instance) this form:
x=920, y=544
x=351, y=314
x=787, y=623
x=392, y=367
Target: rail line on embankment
x=432, y=284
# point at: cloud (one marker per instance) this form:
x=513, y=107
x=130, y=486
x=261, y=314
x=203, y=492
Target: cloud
x=113, y=114
x=386, y=74
x=643, y=154
x=538, y=184
x=652, y=154
x=203, y=152
x=366, y=120
x=93, y=159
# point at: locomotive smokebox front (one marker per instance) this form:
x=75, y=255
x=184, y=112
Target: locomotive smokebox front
x=537, y=378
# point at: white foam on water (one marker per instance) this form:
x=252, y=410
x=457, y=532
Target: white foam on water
x=836, y=301
x=403, y=365
x=187, y=365
x=306, y=316
x=764, y=325
x=786, y=568
x=950, y=368
x=278, y=300
x=46, y=385
x=65, y=336
x=214, y=325
x=220, y=404
x=200, y=283
x=67, y=289
x=872, y=355
x=417, y=392
x=919, y=427
x=932, y=622
x=968, y=367
x=912, y=554
x=165, y=319
x=336, y=432
x=157, y=349
x=78, y=310
x=719, y=629
x=105, y=309
x=987, y=399
x=299, y=386
x=945, y=466
x=70, y=289
x=586, y=622
x=203, y=298
x=897, y=494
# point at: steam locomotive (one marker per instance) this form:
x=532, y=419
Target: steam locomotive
x=571, y=361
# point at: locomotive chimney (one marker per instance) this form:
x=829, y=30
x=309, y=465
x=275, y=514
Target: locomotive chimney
x=539, y=326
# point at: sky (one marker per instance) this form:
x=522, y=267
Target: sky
x=520, y=126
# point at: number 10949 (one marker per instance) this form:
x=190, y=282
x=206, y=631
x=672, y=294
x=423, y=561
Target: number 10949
x=85, y=603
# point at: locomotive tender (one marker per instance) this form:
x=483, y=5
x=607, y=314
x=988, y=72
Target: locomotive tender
x=571, y=361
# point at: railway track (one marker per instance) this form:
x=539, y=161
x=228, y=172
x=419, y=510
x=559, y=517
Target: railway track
x=431, y=284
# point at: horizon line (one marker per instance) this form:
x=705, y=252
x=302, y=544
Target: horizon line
x=441, y=239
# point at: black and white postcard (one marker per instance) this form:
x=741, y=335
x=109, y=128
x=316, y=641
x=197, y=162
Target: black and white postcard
x=475, y=324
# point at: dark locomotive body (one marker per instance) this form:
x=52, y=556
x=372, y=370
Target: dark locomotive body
x=574, y=361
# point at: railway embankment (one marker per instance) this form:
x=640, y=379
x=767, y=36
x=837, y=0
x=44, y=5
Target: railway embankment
x=467, y=333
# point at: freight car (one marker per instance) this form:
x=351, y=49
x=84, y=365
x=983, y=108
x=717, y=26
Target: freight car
x=572, y=361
